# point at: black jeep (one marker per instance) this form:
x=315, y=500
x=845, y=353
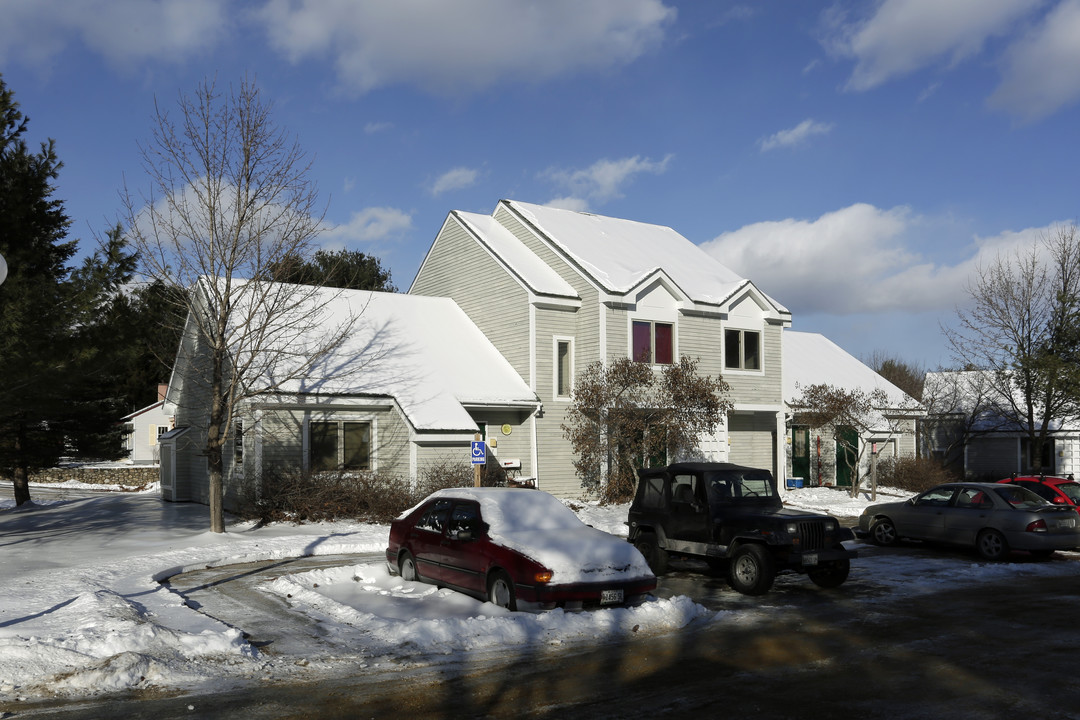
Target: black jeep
x=732, y=517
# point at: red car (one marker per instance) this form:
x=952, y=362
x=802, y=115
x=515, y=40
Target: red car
x=516, y=548
x=1058, y=490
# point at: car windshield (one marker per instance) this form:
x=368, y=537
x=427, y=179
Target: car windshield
x=1020, y=498
x=727, y=484
x=1071, y=490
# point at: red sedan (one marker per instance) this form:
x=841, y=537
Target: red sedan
x=515, y=548
x=1058, y=490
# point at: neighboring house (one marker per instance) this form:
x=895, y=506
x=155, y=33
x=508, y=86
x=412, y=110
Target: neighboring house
x=143, y=427
x=812, y=359
x=972, y=427
x=555, y=290
x=413, y=383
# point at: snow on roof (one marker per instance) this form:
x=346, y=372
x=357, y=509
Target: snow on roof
x=148, y=408
x=423, y=351
x=981, y=394
x=540, y=277
x=813, y=359
x=618, y=254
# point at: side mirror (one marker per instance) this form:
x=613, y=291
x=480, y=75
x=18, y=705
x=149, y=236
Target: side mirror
x=1058, y=500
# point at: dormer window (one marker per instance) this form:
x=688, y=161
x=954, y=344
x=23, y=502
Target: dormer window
x=653, y=342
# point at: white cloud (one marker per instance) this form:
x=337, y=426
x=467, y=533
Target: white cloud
x=903, y=36
x=796, y=135
x=124, y=32
x=601, y=181
x=456, y=179
x=377, y=127
x=859, y=259
x=1042, y=69
x=465, y=45
x=369, y=225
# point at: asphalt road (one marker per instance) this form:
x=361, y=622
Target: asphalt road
x=987, y=650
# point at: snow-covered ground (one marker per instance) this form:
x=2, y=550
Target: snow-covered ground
x=82, y=609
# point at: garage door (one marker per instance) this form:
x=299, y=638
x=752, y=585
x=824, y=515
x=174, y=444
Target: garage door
x=751, y=436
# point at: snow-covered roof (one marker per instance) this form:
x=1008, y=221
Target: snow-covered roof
x=813, y=359
x=422, y=351
x=146, y=409
x=619, y=254
x=540, y=277
x=982, y=396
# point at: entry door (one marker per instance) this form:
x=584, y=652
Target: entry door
x=847, y=456
x=800, y=453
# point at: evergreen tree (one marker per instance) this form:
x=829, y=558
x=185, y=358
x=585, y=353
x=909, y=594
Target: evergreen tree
x=56, y=386
x=350, y=269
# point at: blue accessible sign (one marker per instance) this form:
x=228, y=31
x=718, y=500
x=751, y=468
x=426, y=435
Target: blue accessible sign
x=479, y=452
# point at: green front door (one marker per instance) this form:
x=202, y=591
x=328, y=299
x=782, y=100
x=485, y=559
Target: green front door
x=847, y=456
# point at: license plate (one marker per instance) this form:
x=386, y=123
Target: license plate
x=809, y=559
x=1066, y=523
x=609, y=597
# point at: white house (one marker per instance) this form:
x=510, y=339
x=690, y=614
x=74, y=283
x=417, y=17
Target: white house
x=555, y=290
x=977, y=426
x=143, y=427
x=812, y=359
x=412, y=384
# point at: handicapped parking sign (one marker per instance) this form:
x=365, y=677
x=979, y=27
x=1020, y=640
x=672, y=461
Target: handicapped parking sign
x=479, y=452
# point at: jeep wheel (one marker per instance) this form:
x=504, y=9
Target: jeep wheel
x=655, y=555
x=752, y=571
x=830, y=574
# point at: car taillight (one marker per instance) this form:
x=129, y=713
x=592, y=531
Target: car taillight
x=543, y=577
x=1037, y=526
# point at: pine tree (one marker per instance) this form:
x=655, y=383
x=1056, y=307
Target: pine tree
x=34, y=300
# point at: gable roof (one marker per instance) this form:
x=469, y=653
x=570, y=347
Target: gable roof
x=813, y=359
x=536, y=274
x=983, y=396
x=619, y=254
x=422, y=351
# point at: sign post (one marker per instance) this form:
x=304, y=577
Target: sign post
x=479, y=458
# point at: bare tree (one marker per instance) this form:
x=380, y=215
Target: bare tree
x=1023, y=327
x=836, y=409
x=625, y=416
x=229, y=198
x=905, y=375
x=961, y=405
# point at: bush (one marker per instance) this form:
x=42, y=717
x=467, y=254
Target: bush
x=912, y=474
x=296, y=496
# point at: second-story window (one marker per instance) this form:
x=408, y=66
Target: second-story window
x=653, y=342
x=742, y=349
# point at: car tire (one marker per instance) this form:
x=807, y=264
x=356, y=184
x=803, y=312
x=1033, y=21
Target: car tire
x=752, y=570
x=830, y=574
x=655, y=556
x=883, y=532
x=991, y=545
x=407, y=566
x=501, y=590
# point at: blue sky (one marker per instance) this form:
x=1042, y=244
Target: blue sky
x=856, y=160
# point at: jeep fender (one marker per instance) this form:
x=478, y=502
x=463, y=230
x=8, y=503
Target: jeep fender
x=658, y=531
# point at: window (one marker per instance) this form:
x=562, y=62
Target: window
x=653, y=342
x=434, y=518
x=238, y=444
x=742, y=350
x=564, y=367
x=339, y=445
x=157, y=431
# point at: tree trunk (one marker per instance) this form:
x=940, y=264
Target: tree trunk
x=217, y=508
x=22, y=475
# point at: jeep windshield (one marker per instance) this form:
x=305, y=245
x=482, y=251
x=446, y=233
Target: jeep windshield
x=726, y=486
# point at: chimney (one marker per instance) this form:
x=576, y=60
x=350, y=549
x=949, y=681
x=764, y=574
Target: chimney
x=162, y=388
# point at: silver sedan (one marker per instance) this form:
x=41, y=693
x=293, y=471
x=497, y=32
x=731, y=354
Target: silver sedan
x=992, y=518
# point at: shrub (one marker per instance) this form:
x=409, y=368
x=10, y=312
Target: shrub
x=296, y=496
x=912, y=474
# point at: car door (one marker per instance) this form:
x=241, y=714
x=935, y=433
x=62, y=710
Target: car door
x=970, y=512
x=464, y=562
x=924, y=519
x=688, y=520
x=425, y=540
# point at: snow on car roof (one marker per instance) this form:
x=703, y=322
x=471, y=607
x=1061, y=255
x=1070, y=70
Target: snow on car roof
x=539, y=526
